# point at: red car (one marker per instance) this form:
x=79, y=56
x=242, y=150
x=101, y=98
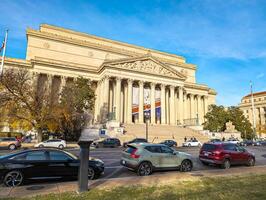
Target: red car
x=225, y=155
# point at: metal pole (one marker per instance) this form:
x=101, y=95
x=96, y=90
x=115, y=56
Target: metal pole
x=147, y=129
x=3, y=55
x=83, y=166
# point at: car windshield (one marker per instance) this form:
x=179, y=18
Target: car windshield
x=209, y=147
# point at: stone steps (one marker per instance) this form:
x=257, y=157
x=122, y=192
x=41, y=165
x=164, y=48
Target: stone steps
x=158, y=133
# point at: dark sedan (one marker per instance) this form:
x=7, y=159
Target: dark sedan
x=169, y=143
x=246, y=143
x=43, y=164
x=108, y=142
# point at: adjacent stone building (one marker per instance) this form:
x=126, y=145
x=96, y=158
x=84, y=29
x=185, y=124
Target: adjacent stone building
x=130, y=81
x=260, y=109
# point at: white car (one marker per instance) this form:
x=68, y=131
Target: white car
x=56, y=143
x=192, y=143
x=233, y=141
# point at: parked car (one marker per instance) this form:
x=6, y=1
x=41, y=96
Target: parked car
x=136, y=140
x=233, y=141
x=192, y=143
x=107, y=142
x=215, y=140
x=56, y=143
x=144, y=158
x=225, y=155
x=43, y=164
x=10, y=143
x=169, y=143
x=259, y=143
x=246, y=143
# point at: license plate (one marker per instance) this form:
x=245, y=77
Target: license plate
x=206, y=154
x=123, y=162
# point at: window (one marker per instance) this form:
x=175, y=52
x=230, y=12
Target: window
x=230, y=147
x=56, y=155
x=153, y=149
x=166, y=149
x=35, y=155
x=209, y=147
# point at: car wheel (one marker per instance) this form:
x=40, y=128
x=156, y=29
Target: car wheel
x=144, y=169
x=41, y=146
x=189, y=145
x=186, y=166
x=91, y=173
x=61, y=146
x=226, y=164
x=199, y=145
x=251, y=162
x=12, y=147
x=13, y=179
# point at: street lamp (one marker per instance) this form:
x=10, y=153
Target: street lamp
x=147, y=118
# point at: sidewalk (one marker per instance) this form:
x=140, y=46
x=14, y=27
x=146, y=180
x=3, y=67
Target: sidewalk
x=156, y=179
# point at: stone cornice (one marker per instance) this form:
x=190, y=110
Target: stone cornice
x=17, y=62
x=200, y=87
x=115, y=50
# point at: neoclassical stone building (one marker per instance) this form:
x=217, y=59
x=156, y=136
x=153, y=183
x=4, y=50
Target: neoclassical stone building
x=260, y=108
x=130, y=81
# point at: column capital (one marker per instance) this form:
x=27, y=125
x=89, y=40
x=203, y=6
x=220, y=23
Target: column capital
x=130, y=80
x=106, y=77
x=172, y=87
x=152, y=84
x=117, y=78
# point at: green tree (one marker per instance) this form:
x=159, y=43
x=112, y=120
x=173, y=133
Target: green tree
x=76, y=107
x=236, y=116
x=216, y=118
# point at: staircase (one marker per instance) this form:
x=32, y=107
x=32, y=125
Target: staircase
x=158, y=133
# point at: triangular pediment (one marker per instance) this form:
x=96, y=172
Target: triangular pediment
x=145, y=64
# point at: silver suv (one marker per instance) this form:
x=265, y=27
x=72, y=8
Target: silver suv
x=144, y=158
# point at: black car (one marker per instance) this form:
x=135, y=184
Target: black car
x=108, y=142
x=17, y=167
x=136, y=140
x=169, y=143
x=259, y=143
x=215, y=140
x=246, y=143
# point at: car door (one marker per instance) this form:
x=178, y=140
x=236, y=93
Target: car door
x=62, y=165
x=234, y=154
x=168, y=158
x=34, y=164
x=154, y=155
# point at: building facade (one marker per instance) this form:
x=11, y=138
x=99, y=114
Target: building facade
x=259, y=111
x=130, y=81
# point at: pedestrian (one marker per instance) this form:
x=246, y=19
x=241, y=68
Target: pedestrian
x=223, y=139
x=185, y=139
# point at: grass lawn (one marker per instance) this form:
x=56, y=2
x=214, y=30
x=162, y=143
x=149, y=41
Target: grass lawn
x=236, y=187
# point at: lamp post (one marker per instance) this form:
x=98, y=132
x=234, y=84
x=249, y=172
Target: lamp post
x=147, y=118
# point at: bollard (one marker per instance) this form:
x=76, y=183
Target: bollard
x=83, y=166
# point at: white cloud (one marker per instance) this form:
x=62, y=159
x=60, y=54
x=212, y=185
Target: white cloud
x=261, y=75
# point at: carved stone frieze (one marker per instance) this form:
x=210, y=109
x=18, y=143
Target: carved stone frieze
x=148, y=66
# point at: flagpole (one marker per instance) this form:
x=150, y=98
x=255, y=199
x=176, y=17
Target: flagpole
x=253, y=110
x=3, y=55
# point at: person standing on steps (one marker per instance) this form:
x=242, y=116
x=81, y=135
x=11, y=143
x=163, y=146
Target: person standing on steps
x=185, y=139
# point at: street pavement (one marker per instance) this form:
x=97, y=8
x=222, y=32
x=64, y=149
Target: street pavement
x=113, y=169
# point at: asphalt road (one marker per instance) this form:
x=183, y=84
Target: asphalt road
x=113, y=169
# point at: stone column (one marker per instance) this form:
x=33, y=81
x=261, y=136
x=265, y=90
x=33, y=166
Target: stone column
x=167, y=106
x=163, y=104
x=49, y=83
x=106, y=96
x=129, y=101
x=96, y=110
x=185, y=107
x=172, y=105
x=181, y=105
x=153, y=103
x=118, y=99
x=192, y=107
x=111, y=95
x=125, y=101
x=262, y=116
x=141, y=101
x=205, y=98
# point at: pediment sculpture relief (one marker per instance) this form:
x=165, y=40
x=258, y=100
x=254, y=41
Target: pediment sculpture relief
x=148, y=66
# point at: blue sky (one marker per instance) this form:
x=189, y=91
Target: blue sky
x=225, y=39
